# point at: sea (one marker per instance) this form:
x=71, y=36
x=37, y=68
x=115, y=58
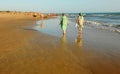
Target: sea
x=103, y=21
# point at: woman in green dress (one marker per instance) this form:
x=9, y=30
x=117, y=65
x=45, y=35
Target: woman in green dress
x=64, y=23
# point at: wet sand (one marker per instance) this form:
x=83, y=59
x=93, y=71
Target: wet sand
x=24, y=50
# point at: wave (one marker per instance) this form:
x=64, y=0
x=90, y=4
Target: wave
x=99, y=15
x=117, y=26
x=107, y=21
x=101, y=25
x=104, y=15
x=105, y=26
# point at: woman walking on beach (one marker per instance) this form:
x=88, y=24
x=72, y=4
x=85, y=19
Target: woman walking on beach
x=64, y=23
x=80, y=23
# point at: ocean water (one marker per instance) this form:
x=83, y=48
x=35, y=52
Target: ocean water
x=103, y=21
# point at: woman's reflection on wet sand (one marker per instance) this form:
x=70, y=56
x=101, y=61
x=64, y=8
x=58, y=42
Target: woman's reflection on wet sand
x=35, y=22
x=78, y=41
x=63, y=40
x=42, y=24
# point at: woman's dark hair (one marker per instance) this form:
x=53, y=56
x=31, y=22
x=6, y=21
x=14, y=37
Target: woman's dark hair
x=63, y=14
x=80, y=14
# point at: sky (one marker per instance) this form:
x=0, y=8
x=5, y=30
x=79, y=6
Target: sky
x=59, y=6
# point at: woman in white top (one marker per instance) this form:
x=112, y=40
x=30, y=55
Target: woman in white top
x=80, y=23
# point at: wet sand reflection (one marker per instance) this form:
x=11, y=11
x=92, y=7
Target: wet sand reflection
x=78, y=41
x=63, y=40
x=42, y=24
x=35, y=21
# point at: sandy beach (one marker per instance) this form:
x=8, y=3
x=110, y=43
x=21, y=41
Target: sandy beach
x=27, y=50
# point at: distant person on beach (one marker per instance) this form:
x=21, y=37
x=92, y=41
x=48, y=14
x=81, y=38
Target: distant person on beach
x=80, y=23
x=64, y=23
x=35, y=15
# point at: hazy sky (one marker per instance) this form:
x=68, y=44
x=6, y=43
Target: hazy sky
x=61, y=5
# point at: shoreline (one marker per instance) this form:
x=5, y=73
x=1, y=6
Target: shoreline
x=25, y=50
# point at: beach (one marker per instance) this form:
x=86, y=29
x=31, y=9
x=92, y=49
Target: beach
x=25, y=48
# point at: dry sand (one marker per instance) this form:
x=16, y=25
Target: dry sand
x=27, y=51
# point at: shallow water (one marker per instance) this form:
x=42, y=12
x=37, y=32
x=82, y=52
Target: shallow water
x=91, y=37
x=53, y=28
